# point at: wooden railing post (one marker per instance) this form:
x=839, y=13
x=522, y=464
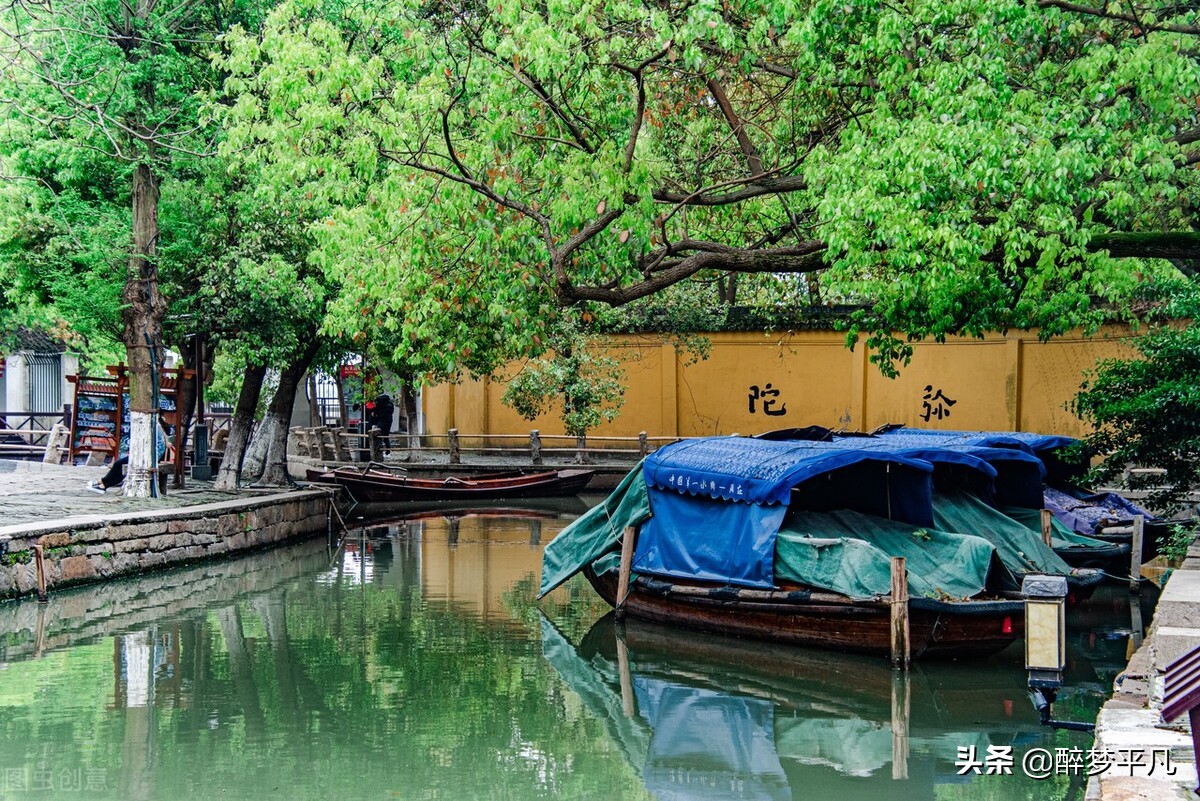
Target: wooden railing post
x=901, y=646
x=643, y=445
x=1047, y=526
x=455, y=452
x=535, y=446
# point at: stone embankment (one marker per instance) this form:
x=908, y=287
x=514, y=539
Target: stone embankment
x=88, y=614
x=1131, y=725
x=79, y=550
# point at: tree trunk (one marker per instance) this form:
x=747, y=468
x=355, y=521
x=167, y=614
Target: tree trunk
x=239, y=427
x=275, y=470
x=143, y=315
x=256, y=453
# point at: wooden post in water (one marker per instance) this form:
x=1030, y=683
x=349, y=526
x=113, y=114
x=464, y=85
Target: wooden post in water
x=628, y=702
x=1135, y=555
x=535, y=446
x=455, y=453
x=901, y=710
x=40, y=560
x=626, y=569
x=1047, y=526
x=901, y=646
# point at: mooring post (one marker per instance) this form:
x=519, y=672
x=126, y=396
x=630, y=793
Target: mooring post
x=901, y=646
x=375, y=443
x=535, y=446
x=455, y=453
x=40, y=560
x=901, y=712
x=1047, y=526
x=626, y=569
x=628, y=699
x=1135, y=555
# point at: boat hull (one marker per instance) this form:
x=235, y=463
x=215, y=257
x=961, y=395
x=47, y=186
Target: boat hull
x=377, y=487
x=936, y=629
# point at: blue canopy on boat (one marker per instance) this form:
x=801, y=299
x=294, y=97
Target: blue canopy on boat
x=718, y=503
x=753, y=470
x=1019, y=473
x=923, y=451
x=1035, y=443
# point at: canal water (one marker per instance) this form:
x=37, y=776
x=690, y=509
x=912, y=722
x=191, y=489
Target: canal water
x=414, y=662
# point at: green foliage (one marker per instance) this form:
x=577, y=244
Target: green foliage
x=1179, y=541
x=588, y=385
x=16, y=558
x=947, y=163
x=1146, y=410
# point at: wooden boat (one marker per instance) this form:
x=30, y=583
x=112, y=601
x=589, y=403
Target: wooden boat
x=718, y=555
x=379, y=486
x=800, y=616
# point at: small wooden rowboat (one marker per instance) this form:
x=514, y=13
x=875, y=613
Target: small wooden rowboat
x=802, y=616
x=376, y=485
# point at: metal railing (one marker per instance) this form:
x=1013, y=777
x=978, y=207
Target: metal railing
x=28, y=432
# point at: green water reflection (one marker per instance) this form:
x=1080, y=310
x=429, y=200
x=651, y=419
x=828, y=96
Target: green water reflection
x=415, y=664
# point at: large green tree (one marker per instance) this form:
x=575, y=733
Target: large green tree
x=120, y=84
x=961, y=165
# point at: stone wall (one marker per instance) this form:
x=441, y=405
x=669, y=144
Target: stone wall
x=87, y=549
x=89, y=614
x=1131, y=721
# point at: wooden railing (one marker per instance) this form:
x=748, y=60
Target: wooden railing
x=339, y=445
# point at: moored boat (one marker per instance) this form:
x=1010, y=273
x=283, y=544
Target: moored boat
x=747, y=537
x=380, y=486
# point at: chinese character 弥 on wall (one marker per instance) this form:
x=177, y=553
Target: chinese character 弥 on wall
x=935, y=404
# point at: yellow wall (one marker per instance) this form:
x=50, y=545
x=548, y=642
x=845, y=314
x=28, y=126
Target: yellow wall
x=1003, y=382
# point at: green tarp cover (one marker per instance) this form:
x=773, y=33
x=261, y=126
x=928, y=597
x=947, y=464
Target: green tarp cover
x=1021, y=549
x=598, y=530
x=850, y=553
x=1061, y=535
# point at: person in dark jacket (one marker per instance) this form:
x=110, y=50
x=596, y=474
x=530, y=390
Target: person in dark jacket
x=382, y=416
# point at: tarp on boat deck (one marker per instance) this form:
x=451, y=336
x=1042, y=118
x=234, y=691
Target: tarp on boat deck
x=596, y=531
x=1061, y=536
x=711, y=540
x=1021, y=549
x=1087, y=514
x=850, y=553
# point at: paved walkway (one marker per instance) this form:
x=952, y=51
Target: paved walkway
x=31, y=491
x=1131, y=723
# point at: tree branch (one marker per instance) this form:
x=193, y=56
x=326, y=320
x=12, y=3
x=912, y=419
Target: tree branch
x=1120, y=16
